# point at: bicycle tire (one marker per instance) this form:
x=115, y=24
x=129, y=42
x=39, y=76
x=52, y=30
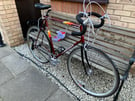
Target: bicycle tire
x=95, y=80
x=39, y=44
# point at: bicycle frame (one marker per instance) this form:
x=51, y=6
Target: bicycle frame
x=82, y=41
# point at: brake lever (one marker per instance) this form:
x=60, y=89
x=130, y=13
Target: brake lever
x=108, y=17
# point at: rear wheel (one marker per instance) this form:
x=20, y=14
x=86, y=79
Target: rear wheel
x=91, y=80
x=39, y=44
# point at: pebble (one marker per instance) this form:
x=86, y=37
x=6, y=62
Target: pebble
x=60, y=71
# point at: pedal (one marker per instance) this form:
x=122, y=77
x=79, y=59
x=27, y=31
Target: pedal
x=54, y=62
x=60, y=49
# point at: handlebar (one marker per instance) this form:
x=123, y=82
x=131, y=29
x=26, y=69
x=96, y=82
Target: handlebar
x=98, y=16
x=84, y=27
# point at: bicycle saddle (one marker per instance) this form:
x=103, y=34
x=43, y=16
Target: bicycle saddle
x=42, y=6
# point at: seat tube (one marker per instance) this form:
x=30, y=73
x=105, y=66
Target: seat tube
x=82, y=39
x=50, y=37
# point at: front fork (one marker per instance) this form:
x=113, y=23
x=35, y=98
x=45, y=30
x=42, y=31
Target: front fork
x=87, y=66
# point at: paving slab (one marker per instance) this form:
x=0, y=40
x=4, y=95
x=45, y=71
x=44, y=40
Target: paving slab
x=5, y=74
x=31, y=85
x=15, y=63
x=1, y=99
x=60, y=95
x=19, y=81
x=5, y=51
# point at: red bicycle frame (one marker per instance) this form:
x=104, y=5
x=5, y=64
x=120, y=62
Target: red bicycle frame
x=82, y=41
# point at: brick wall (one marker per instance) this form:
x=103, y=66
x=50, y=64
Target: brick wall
x=122, y=12
x=9, y=23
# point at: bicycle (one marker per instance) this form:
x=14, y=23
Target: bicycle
x=80, y=59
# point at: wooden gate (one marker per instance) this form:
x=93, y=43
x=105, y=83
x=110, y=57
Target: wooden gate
x=27, y=11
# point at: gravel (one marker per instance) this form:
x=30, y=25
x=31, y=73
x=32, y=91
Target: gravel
x=60, y=71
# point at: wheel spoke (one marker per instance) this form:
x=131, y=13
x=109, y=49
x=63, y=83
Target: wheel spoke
x=93, y=81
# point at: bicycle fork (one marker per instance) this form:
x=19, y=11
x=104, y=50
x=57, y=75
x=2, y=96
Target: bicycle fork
x=87, y=70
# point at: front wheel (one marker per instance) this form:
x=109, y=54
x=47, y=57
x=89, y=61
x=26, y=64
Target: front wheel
x=91, y=80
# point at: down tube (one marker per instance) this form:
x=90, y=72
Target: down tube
x=81, y=41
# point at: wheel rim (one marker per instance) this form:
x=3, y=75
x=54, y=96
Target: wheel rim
x=97, y=83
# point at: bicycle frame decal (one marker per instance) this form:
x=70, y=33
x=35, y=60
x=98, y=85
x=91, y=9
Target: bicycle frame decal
x=51, y=42
x=68, y=23
x=49, y=33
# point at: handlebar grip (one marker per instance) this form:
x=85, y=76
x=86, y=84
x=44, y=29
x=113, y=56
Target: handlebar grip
x=98, y=16
x=84, y=27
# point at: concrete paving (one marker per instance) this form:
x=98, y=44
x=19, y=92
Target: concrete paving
x=19, y=81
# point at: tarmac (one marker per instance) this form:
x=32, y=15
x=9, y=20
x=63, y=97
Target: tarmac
x=20, y=81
